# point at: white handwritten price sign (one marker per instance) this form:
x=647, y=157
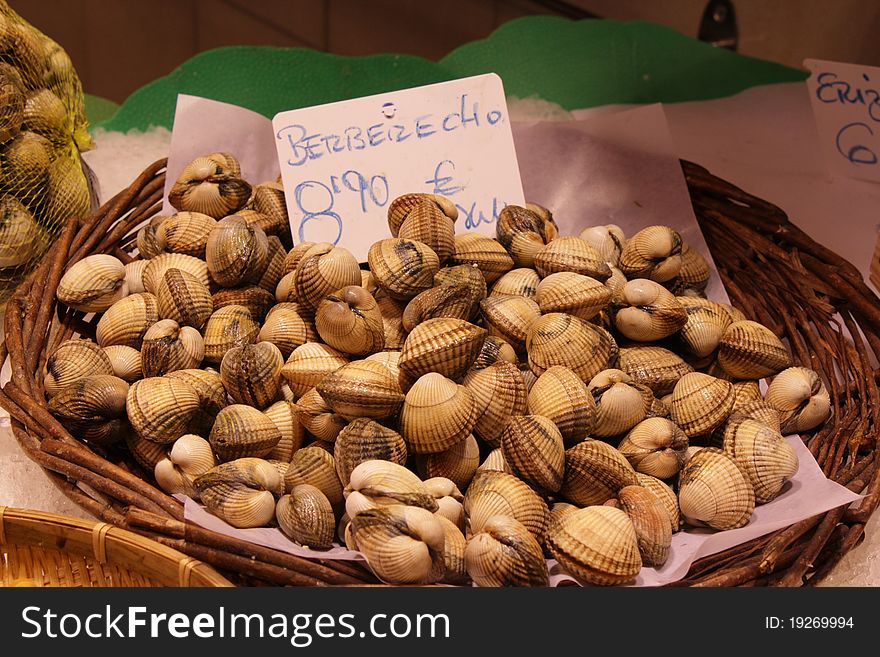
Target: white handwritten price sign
x=343, y=163
x=846, y=105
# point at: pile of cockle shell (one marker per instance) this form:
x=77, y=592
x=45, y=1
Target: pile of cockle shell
x=460, y=411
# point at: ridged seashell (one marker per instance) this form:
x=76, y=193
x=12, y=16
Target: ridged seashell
x=168, y=346
x=560, y=395
x=402, y=544
x=427, y=223
x=532, y=447
x=608, y=240
x=488, y=255
x=657, y=409
x=190, y=457
x=25, y=160
x=183, y=298
x=666, y=496
x=505, y=553
x=403, y=268
x=92, y=408
x=243, y=431
x=494, y=493
x=571, y=254
x=522, y=281
x=271, y=273
x=597, y=545
x=559, y=511
x=572, y=293
x=185, y=232
x=499, y=393
x=736, y=315
x=161, y=408
x=211, y=394
x=228, y=327
x=146, y=237
x=268, y=199
x=620, y=403
x=74, y=360
x=495, y=461
x=321, y=270
x=763, y=454
x=236, y=252
x=67, y=190
x=655, y=447
x=441, y=301
x=389, y=359
x=444, y=345
x=287, y=327
x=705, y=325
x=469, y=276
x=285, y=416
x=317, y=417
x=509, y=317
x=22, y=239
x=93, y=284
x=437, y=413
x=383, y=483
x=713, y=490
x=305, y=515
x=651, y=312
x=595, y=472
x=251, y=374
x=700, y=403
x=562, y=339
x=134, y=276
x=125, y=361
x=12, y=99
x=615, y=283
x=651, y=522
x=746, y=392
x=801, y=399
x=210, y=186
x=523, y=233
x=362, y=388
x=757, y=410
x=293, y=257
x=285, y=290
x=749, y=350
x=494, y=350
x=241, y=492
x=145, y=452
x=392, y=321
x=694, y=273
x=458, y=463
x=127, y=320
x=350, y=320
x=454, y=545
x=308, y=364
x=655, y=367
x=654, y=253
x=155, y=270
x=258, y=301
x=401, y=207
x=366, y=440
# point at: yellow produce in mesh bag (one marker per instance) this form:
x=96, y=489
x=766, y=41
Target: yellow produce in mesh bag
x=43, y=130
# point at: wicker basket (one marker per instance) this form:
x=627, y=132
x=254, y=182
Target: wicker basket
x=772, y=270
x=45, y=549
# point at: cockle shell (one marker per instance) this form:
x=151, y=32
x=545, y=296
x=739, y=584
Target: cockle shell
x=427, y=223
x=291, y=260
x=211, y=186
x=251, y=374
x=705, y=325
x=801, y=398
x=284, y=415
x=469, y=276
x=243, y=431
x=595, y=472
x=383, y=483
x=749, y=350
x=437, y=413
x=763, y=454
x=746, y=392
x=488, y=255
x=597, y=544
x=271, y=273
x=495, y=461
x=615, y=283
x=287, y=326
x=651, y=312
x=713, y=490
x=74, y=360
x=562, y=339
x=522, y=281
x=268, y=199
x=666, y=496
x=228, y=327
x=494, y=350
x=26, y=159
x=523, y=233
x=700, y=403
x=444, y=345
x=22, y=239
x=183, y=298
x=308, y=364
x=756, y=410
x=211, y=393
x=323, y=269
x=608, y=240
x=127, y=320
x=499, y=393
x=458, y=464
x=454, y=545
x=155, y=270
x=389, y=359
x=236, y=252
x=315, y=466
x=317, y=417
x=350, y=320
x=440, y=301
x=505, y=553
x=655, y=367
x=285, y=289
x=366, y=440
x=306, y=516
x=161, y=408
x=651, y=522
x=241, y=492
x=561, y=396
x=494, y=493
x=655, y=447
x=190, y=457
x=146, y=237
x=558, y=511
x=400, y=209
x=168, y=346
x=654, y=253
x=620, y=403
x=509, y=317
x=125, y=361
x=362, y=388
x=258, y=301
x=185, y=232
x=403, y=268
x=12, y=99
x=402, y=544
x=571, y=254
x=92, y=408
x=572, y=293
x=694, y=273
x=532, y=447
x=392, y=321
x=93, y=284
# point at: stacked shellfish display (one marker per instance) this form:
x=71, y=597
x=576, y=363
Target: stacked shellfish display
x=459, y=410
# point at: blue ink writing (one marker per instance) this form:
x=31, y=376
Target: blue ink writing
x=474, y=216
x=832, y=90
x=441, y=183
x=856, y=153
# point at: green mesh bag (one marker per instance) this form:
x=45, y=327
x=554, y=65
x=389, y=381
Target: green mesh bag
x=43, y=129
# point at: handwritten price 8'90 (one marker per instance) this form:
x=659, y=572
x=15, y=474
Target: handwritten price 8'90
x=315, y=200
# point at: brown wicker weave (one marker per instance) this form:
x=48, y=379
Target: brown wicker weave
x=45, y=549
x=773, y=271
